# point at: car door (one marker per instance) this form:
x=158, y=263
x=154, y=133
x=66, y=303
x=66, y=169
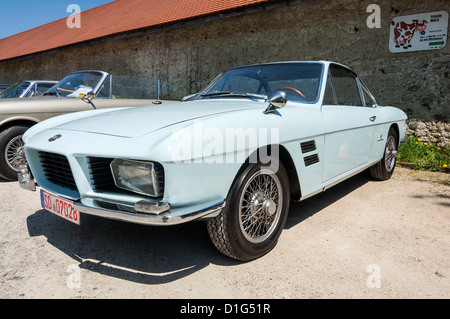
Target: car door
x=349, y=124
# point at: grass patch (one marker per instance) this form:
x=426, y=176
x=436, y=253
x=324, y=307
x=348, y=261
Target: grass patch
x=424, y=155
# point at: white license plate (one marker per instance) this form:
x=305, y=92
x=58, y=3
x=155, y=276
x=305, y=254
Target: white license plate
x=59, y=206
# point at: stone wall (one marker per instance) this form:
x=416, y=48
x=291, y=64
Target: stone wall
x=186, y=58
x=434, y=132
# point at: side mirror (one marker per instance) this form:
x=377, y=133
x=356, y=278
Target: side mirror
x=277, y=100
x=88, y=97
x=188, y=97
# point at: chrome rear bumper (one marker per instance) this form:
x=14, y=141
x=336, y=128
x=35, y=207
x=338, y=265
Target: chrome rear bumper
x=142, y=212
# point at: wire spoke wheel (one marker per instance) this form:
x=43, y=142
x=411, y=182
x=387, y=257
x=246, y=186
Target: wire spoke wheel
x=385, y=167
x=257, y=208
x=390, y=153
x=260, y=206
x=14, y=154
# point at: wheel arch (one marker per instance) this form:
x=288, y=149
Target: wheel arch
x=397, y=131
x=285, y=158
x=17, y=122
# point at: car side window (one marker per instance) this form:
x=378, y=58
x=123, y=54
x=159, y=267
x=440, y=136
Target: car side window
x=105, y=90
x=329, y=97
x=345, y=86
x=42, y=88
x=368, y=97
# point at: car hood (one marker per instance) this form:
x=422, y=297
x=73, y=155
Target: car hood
x=134, y=122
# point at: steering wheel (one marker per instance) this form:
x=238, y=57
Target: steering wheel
x=293, y=90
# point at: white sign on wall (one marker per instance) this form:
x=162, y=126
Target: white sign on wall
x=418, y=32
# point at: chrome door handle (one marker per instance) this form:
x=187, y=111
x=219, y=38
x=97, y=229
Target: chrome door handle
x=372, y=118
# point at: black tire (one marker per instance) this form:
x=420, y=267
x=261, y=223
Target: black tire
x=384, y=169
x=227, y=230
x=10, y=142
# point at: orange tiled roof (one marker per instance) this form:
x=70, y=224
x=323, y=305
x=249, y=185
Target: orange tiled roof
x=113, y=18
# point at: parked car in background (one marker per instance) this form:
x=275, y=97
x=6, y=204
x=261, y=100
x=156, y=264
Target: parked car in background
x=234, y=154
x=3, y=87
x=27, y=89
x=79, y=91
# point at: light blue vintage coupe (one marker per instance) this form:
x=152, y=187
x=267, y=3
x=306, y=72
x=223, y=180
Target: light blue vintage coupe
x=234, y=154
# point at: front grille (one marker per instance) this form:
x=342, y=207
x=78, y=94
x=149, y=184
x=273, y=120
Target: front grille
x=101, y=176
x=57, y=170
x=159, y=177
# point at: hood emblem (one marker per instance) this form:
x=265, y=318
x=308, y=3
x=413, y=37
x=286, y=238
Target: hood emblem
x=54, y=138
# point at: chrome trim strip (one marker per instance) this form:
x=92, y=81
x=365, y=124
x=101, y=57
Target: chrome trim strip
x=148, y=219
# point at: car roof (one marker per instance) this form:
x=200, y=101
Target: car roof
x=325, y=62
x=83, y=71
x=41, y=81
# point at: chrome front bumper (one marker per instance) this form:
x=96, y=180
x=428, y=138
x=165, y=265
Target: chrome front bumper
x=26, y=180
x=141, y=212
x=165, y=218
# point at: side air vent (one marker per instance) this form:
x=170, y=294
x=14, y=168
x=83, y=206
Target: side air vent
x=311, y=159
x=308, y=146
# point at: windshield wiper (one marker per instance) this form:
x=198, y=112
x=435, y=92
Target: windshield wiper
x=233, y=94
x=215, y=93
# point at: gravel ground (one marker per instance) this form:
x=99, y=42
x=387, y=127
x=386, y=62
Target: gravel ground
x=360, y=239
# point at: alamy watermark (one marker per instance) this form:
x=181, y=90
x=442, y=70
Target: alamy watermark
x=74, y=20
x=374, y=19
x=73, y=281
x=199, y=144
x=374, y=278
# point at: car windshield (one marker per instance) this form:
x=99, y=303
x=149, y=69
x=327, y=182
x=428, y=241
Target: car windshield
x=300, y=81
x=76, y=84
x=15, y=90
